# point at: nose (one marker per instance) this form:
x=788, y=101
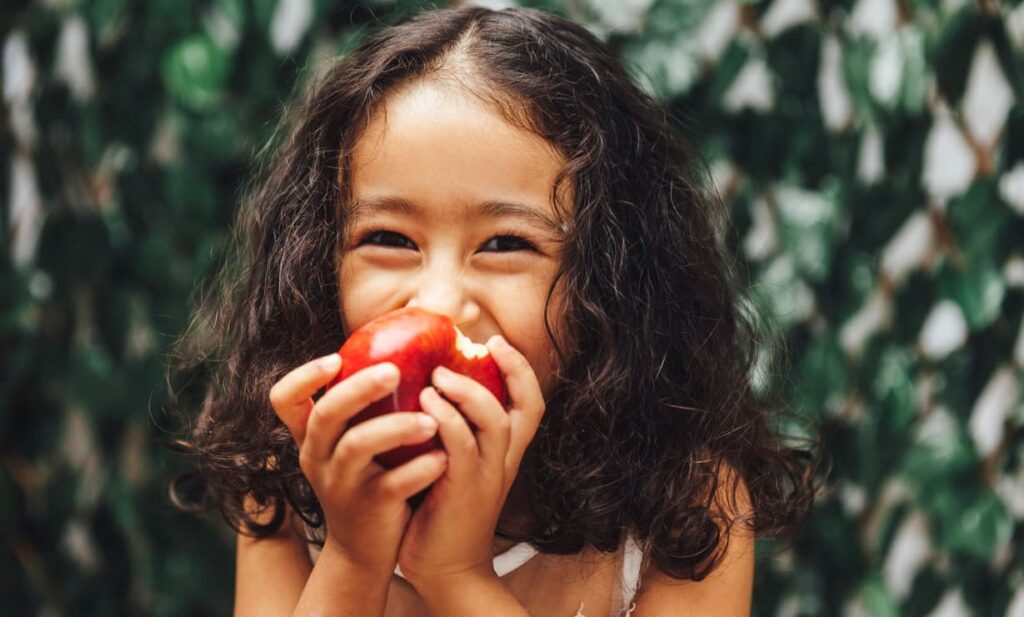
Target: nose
x=444, y=291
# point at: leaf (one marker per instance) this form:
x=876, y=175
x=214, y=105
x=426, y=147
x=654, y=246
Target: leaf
x=979, y=529
x=979, y=290
x=877, y=600
x=809, y=222
x=954, y=51
x=195, y=70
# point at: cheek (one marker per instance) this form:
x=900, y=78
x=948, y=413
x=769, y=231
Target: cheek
x=359, y=294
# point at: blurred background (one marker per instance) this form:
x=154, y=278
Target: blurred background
x=872, y=155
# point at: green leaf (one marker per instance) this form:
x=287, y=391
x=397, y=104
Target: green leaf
x=954, y=51
x=728, y=67
x=823, y=377
x=893, y=389
x=809, y=222
x=667, y=67
x=982, y=224
x=876, y=598
x=783, y=292
x=978, y=530
x=940, y=451
x=978, y=289
x=195, y=70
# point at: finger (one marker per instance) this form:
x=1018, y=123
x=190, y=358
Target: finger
x=410, y=477
x=479, y=406
x=526, y=401
x=362, y=442
x=457, y=437
x=342, y=402
x=291, y=397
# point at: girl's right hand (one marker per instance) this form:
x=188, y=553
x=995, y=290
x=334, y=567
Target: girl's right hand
x=364, y=504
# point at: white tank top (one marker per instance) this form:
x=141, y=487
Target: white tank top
x=622, y=596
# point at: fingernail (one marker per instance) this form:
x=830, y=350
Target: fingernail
x=331, y=362
x=500, y=342
x=427, y=421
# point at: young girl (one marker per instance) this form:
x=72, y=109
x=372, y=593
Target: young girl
x=501, y=168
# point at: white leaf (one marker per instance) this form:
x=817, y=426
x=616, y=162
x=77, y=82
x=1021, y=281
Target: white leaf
x=783, y=14
x=762, y=239
x=621, y=15
x=949, y=162
x=1010, y=489
x=752, y=88
x=990, y=410
x=951, y=605
x=73, y=63
x=988, y=97
x=874, y=18
x=19, y=70
x=1016, y=607
x=886, y=71
x=872, y=317
x=495, y=5
x=716, y=30
x=1011, y=187
x=289, y=24
x=910, y=549
x=1018, y=347
x=944, y=330
x=910, y=246
x=871, y=157
x=26, y=214
x=832, y=92
x=1013, y=272
x=1014, y=23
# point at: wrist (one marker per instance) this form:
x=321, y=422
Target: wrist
x=441, y=584
x=339, y=585
x=469, y=594
x=336, y=552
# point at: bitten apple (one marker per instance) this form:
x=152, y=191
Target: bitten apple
x=416, y=341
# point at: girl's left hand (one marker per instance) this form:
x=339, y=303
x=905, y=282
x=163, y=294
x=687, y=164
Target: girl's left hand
x=451, y=532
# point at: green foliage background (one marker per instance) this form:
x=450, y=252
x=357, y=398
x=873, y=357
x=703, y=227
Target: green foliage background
x=870, y=152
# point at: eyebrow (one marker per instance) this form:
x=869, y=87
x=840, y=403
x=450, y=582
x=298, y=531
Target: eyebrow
x=490, y=208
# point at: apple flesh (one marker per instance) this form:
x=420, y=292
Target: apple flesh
x=416, y=341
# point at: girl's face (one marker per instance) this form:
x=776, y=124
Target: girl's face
x=452, y=213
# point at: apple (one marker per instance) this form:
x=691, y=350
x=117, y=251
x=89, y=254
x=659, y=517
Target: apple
x=416, y=341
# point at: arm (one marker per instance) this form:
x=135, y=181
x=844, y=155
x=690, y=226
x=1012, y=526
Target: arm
x=339, y=587
x=274, y=577
x=271, y=572
x=727, y=590
x=471, y=595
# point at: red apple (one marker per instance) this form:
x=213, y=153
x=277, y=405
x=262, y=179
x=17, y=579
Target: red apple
x=416, y=341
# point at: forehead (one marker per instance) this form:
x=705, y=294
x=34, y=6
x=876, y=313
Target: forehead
x=439, y=146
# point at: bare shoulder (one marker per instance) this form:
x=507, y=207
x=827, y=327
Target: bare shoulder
x=728, y=589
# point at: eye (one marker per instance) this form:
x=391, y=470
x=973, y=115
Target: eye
x=384, y=237
x=382, y=233
x=513, y=241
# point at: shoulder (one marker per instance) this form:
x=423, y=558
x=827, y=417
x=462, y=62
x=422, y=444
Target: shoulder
x=728, y=589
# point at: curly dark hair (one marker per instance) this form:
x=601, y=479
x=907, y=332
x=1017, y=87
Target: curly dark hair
x=655, y=398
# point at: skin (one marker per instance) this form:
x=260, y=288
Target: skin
x=445, y=151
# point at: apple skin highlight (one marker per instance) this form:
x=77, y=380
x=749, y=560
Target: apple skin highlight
x=416, y=341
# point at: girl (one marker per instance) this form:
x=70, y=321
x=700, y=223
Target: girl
x=501, y=168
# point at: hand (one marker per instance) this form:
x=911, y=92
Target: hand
x=364, y=505
x=451, y=532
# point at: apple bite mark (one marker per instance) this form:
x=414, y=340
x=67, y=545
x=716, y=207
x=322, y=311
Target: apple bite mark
x=467, y=347
x=416, y=341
